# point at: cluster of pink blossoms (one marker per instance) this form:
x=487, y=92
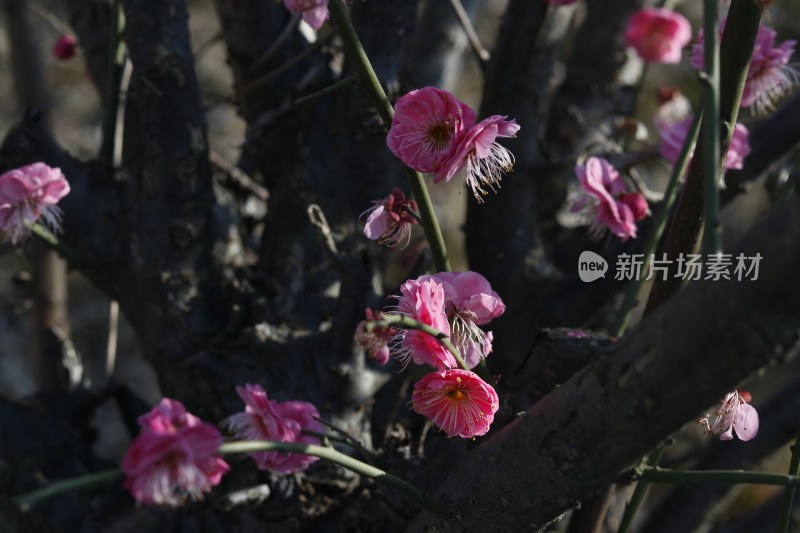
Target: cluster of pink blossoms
x=454, y=304
x=175, y=457
x=29, y=194
x=432, y=131
x=658, y=35
x=735, y=414
x=314, y=11
x=770, y=76
x=606, y=203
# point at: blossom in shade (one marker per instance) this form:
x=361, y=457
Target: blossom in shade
x=65, y=47
x=658, y=35
x=484, y=159
x=29, y=194
x=469, y=302
x=314, y=11
x=672, y=139
x=174, y=457
x=424, y=302
x=375, y=340
x=389, y=221
x=673, y=108
x=735, y=414
x=458, y=401
x=425, y=126
x=265, y=419
x=605, y=201
x=770, y=76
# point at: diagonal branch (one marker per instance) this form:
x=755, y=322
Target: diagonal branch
x=672, y=366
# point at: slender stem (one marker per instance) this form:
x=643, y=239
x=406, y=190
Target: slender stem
x=116, y=63
x=788, y=496
x=368, y=79
x=712, y=235
x=631, y=299
x=481, y=52
x=344, y=82
x=741, y=29
x=639, y=492
x=46, y=236
x=718, y=477
x=405, y=322
x=25, y=501
x=330, y=454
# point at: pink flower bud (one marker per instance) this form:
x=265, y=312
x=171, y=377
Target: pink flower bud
x=65, y=47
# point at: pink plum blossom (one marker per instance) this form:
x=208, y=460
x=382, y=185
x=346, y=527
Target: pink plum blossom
x=314, y=11
x=658, y=35
x=605, y=200
x=29, y=194
x=265, y=419
x=469, y=302
x=173, y=457
x=425, y=126
x=485, y=160
x=65, y=47
x=458, y=401
x=376, y=340
x=389, y=221
x=770, y=76
x=673, y=137
x=735, y=414
x=424, y=302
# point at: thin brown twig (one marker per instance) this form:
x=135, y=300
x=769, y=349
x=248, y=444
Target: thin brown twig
x=238, y=176
x=475, y=42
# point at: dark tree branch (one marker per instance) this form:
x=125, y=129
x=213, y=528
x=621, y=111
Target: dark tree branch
x=681, y=359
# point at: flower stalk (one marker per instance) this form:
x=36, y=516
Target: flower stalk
x=406, y=322
x=26, y=501
x=712, y=234
x=788, y=496
x=718, y=477
x=369, y=80
x=334, y=456
x=631, y=299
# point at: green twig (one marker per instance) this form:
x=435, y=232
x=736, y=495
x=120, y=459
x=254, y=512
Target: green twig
x=405, y=322
x=369, y=80
x=49, y=238
x=712, y=234
x=330, y=454
x=631, y=298
x=741, y=29
x=116, y=64
x=718, y=477
x=345, y=82
x=788, y=496
x=639, y=492
x=25, y=501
